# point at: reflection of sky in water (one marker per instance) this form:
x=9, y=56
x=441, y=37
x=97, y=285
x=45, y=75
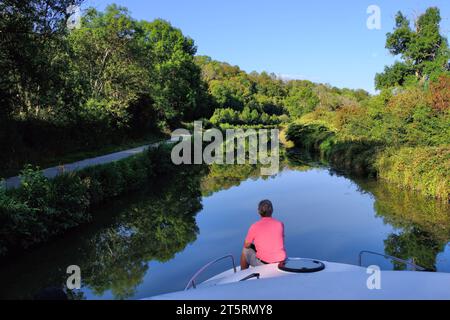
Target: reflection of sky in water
x=443, y=260
x=326, y=217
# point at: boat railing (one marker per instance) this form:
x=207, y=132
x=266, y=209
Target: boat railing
x=191, y=282
x=414, y=266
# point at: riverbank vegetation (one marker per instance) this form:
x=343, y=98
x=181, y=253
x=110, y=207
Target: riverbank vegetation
x=114, y=79
x=262, y=99
x=402, y=134
x=114, y=250
x=110, y=80
x=43, y=208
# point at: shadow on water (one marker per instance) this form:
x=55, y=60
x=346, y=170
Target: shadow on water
x=115, y=251
x=422, y=224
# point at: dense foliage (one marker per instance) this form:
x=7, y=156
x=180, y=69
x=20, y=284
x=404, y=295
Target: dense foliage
x=423, y=50
x=42, y=208
x=64, y=90
x=115, y=249
x=403, y=133
x=421, y=227
x=112, y=78
x=251, y=99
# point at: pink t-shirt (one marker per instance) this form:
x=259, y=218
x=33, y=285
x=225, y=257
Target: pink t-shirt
x=268, y=237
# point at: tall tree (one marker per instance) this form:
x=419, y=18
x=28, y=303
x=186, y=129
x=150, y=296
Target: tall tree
x=176, y=84
x=423, y=50
x=30, y=54
x=108, y=64
x=301, y=98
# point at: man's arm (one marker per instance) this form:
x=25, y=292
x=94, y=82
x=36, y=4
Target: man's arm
x=249, y=238
x=247, y=245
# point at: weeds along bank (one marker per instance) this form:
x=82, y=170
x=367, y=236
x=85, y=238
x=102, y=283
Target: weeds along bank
x=42, y=208
x=424, y=169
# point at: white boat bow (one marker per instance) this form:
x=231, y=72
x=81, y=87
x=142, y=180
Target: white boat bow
x=336, y=281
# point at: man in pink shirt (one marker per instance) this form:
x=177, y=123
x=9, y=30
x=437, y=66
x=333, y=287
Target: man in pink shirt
x=264, y=243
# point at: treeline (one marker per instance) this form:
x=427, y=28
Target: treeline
x=107, y=80
x=403, y=133
x=241, y=98
x=113, y=78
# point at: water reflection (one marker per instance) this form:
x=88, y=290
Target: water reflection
x=153, y=241
x=114, y=253
x=423, y=225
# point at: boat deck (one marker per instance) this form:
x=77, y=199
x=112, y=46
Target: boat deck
x=336, y=282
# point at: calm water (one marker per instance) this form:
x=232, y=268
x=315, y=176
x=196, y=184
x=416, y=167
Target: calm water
x=151, y=243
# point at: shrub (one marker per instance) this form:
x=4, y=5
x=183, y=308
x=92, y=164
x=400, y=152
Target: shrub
x=439, y=95
x=42, y=208
x=422, y=168
x=425, y=169
x=35, y=190
x=309, y=137
x=69, y=199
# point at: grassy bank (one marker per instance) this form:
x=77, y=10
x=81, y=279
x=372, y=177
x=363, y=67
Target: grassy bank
x=424, y=169
x=42, y=208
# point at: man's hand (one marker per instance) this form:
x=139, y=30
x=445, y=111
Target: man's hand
x=244, y=264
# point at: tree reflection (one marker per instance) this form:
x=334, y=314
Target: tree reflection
x=414, y=244
x=224, y=177
x=154, y=229
x=423, y=224
x=114, y=254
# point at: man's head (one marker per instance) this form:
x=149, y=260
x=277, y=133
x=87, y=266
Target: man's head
x=265, y=208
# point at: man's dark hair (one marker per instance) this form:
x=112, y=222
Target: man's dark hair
x=265, y=208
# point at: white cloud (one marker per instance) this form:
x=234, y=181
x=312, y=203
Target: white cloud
x=285, y=76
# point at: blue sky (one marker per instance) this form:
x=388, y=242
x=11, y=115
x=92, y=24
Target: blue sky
x=322, y=41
